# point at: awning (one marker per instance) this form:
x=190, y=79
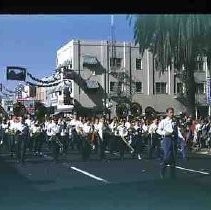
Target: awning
x=92, y=84
x=90, y=60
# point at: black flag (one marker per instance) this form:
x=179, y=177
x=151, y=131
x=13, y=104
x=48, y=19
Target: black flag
x=16, y=73
x=0, y=87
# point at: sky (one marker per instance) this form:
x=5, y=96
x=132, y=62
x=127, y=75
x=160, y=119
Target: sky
x=31, y=41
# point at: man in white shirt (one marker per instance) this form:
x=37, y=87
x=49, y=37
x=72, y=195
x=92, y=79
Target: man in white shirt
x=170, y=133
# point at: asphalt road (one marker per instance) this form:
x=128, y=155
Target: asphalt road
x=130, y=184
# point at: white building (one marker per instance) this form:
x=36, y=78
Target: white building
x=102, y=71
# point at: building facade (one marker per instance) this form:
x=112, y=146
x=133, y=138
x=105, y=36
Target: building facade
x=105, y=75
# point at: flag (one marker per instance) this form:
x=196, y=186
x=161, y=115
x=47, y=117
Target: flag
x=16, y=73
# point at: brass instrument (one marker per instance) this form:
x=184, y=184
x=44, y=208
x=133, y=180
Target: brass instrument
x=58, y=142
x=127, y=143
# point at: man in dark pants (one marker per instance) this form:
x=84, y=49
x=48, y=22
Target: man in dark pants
x=169, y=130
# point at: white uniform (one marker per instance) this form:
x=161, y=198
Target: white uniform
x=128, y=125
x=113, y=126
x=152, y=128
x=165, y=128
x=52, y=129
x=87, y=129
x=28, y=122
x=122, y=130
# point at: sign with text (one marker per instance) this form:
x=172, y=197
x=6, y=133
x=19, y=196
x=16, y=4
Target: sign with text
x=16, y=73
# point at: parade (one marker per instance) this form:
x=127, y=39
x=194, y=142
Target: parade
x=105, y=112
x=140, y=137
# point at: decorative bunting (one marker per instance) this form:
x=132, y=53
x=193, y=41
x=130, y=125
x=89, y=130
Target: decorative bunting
x=43, y=85
x=41, y=81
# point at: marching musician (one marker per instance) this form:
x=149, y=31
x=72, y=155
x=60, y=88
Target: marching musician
x=87, y=128
x=86, y=139
x=5, y=130
x=113, y=140
x=154, y=138
x=72, y=132
x=137, y=140
x=122, y=133
x=104, y=136
x=11, y=134
x=22, y=132
x=52, y=132
x=64, y=134
x=36, y=138
x=95, y=133
x=168, y=129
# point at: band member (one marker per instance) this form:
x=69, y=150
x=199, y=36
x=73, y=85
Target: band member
x=11, y=135
x=49, y=133
x=5, y=130
x=137, y=141
x=77, y=132
x=21, y=137
x=53, y=134
x=64, y=135
x=95, y=134
x=37, y=138
x=113, y=140
x=122, y=134
x=104, y=136
x=169, y=131
x=86, y=135
x=154, y=139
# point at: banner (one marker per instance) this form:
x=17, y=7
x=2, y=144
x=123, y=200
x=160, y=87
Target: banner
x=0, y=87
x=208, y=92
x=16, y=73
x=43, y=85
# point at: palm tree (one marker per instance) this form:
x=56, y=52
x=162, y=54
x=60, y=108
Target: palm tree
x=176, y=41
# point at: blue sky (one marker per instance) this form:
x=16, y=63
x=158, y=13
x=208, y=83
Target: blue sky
x=31, y=41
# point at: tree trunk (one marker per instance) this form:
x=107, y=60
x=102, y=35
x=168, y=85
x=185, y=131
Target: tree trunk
x=190, y=90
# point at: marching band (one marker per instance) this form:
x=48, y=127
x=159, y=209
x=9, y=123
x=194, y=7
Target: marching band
x=96, y=135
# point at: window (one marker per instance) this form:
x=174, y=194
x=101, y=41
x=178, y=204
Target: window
x=200, y=66
x=139, y=64
x=179, y=88
x=112, y=84
x=161, y=87
x=200, y=88
x=139, y=87
x=115, y=62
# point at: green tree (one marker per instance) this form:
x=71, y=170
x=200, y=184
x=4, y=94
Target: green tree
x=40, y=111
x=175, y=41
x=19, y=110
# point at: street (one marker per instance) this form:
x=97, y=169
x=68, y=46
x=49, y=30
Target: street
x=128, y=184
